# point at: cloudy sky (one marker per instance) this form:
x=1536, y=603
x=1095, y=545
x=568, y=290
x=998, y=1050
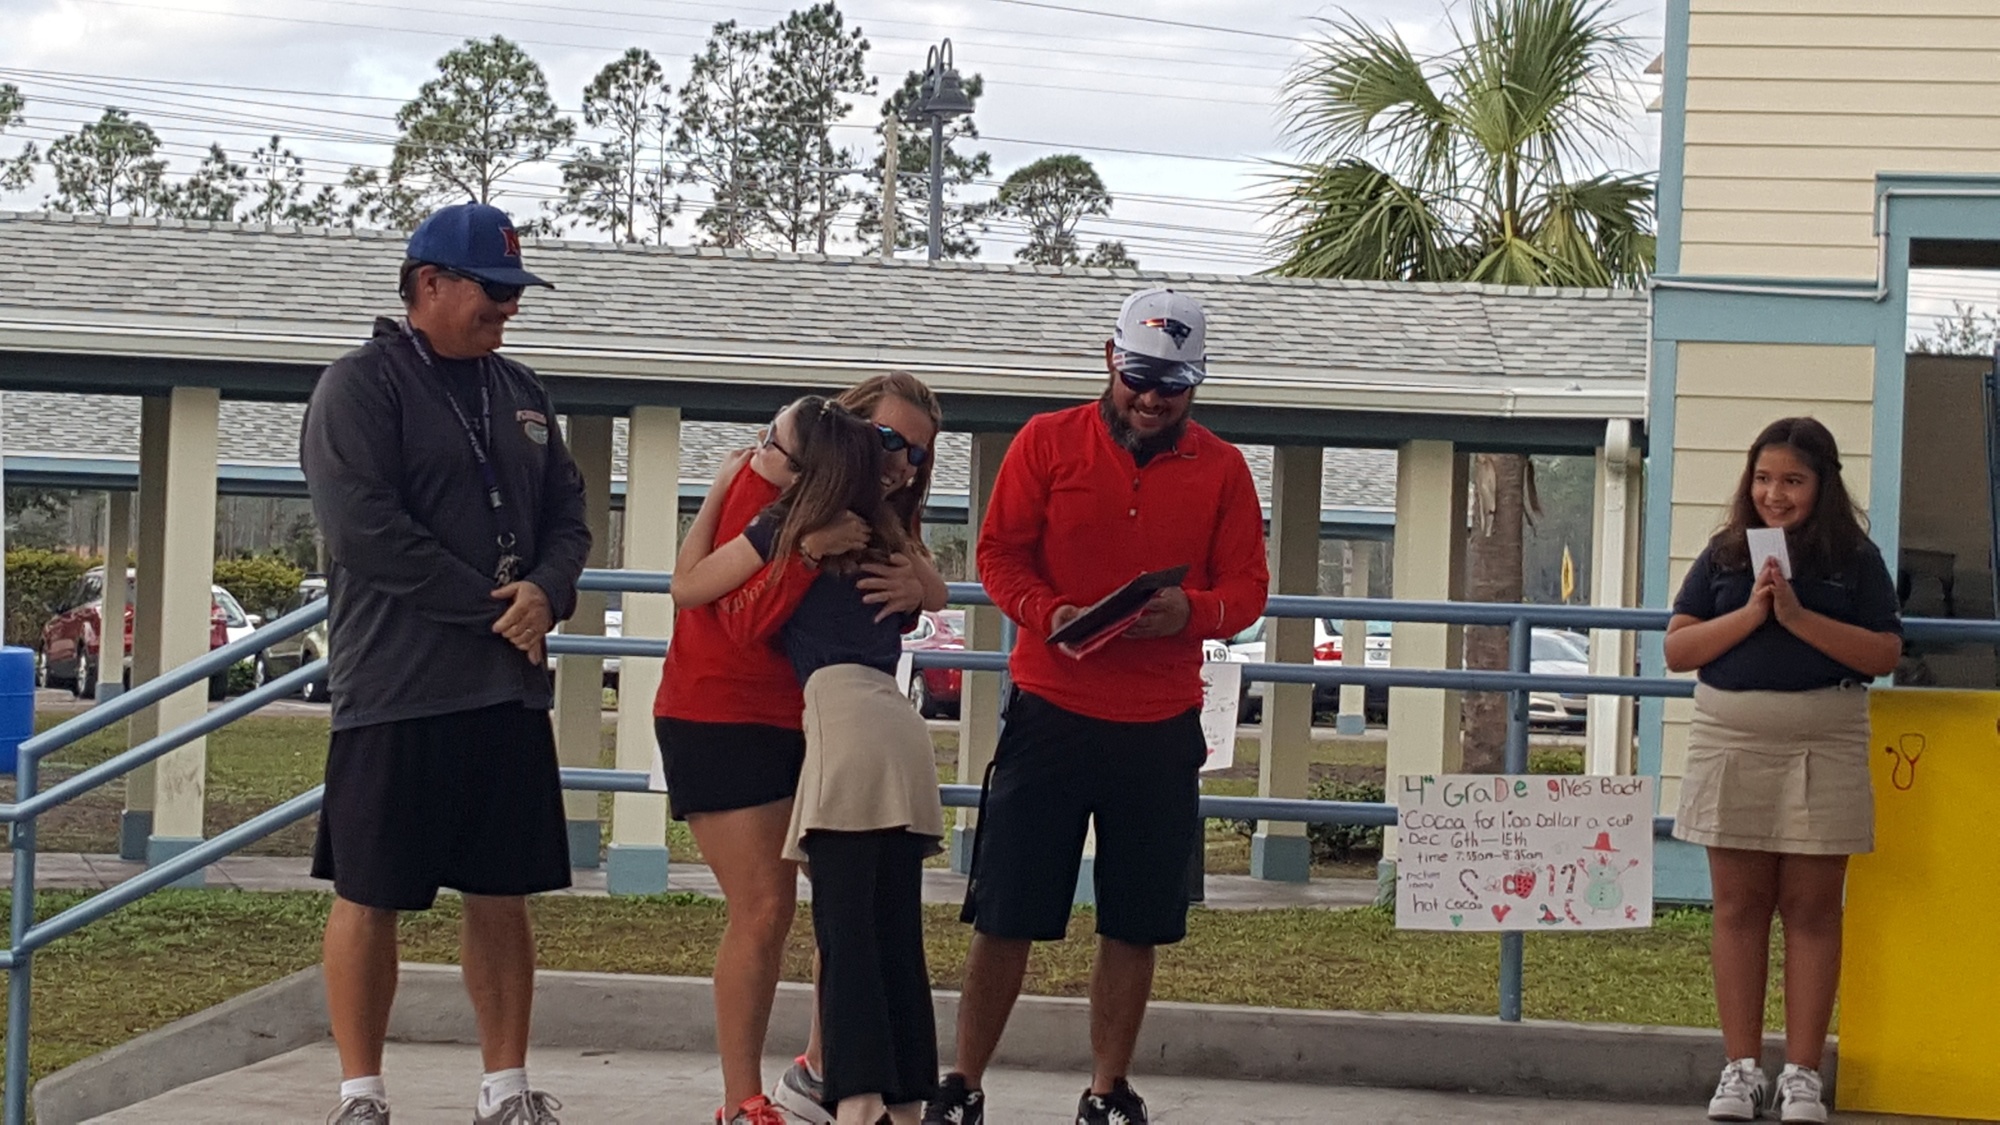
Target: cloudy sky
x=1175, y=101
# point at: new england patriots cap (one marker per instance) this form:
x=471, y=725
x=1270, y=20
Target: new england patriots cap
x=1164, y=332
x=475, y=239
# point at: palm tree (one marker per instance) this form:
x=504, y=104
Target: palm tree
x=1482, y=163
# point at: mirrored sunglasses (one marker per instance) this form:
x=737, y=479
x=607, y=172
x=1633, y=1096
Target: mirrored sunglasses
x=893, y=442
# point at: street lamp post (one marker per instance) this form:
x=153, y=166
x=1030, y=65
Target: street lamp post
x=940, y=98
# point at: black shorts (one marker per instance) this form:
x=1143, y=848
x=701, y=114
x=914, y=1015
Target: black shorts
x=1055, y=770
x=718, y=767
x=470, y=801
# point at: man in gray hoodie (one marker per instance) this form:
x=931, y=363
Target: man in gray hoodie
x=454, y=516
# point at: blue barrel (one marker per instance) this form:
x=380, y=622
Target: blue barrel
x=17, y=703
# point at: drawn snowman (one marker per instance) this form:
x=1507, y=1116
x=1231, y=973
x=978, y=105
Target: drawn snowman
x=1601, y=876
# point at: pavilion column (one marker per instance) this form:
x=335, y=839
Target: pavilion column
x=1614, y=582
x=580, y=679
x=117, y=592
x=1353, y=718
x=1279, y=850
x=183, y=573
x=136, y=826
x=636, y=862
x=979, y=701
x=1429, y=565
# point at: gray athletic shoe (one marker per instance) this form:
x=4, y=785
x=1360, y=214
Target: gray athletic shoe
x=803, y=1096
x=529, y=1107
x=360, y=1111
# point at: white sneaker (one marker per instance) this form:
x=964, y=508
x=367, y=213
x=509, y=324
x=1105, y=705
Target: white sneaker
x=1741, y=1095
x=1799, y=1095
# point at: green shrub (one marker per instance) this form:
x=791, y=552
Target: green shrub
x=36, y=583
x=263, y=583
x=242, y=676
x=1555, y=761
x=1338, y=843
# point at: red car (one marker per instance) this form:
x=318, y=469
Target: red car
x=934, y=691
x=70, y=640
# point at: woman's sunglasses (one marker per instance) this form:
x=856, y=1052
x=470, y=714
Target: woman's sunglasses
x=769, y=440
x=893, y=442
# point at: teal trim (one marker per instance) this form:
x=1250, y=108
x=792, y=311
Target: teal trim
x=635, y=869
x=1350, y=725
x=1707, y=316
x=135, y=827
x=585, y=843
x=160, y=849
x=1280, y=859
x=1673, y=137
x=1661, y=385
x=1680, y=873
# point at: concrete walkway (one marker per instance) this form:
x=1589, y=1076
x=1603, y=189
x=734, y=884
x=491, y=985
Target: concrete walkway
x=78, y=871
x=430, y=1083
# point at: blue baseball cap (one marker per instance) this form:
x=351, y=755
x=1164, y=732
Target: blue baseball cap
x=475, y=239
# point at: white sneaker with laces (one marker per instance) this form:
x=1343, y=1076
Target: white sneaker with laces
x=1800, y=1095
x=1741, y=1095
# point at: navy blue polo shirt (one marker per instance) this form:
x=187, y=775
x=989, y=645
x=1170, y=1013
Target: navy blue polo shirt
x=1773, y=658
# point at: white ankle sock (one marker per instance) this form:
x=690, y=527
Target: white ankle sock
x=369, y=1087
x=500, y=1085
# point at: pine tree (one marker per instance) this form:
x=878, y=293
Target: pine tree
x=624, y=184
x=486, y=114
x=815, y=60
x=725, y=114
x=110, y=163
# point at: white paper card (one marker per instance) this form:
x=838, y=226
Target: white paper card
x=906, y=667
x=1769, y=543
x=1541, y=852
x=1221, y=691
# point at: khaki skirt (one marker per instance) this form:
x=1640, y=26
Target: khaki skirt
x=869, y=764
x=1779, y=771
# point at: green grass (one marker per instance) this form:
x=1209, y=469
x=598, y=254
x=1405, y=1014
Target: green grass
x=179, y=952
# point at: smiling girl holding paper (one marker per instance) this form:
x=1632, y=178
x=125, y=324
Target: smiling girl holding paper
x=1776, y=785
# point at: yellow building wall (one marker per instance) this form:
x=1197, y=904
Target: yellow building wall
x=1725, y=394
x=1793, y=106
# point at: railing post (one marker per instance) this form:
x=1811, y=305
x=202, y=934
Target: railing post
x=18, y=970
x=1520, y=650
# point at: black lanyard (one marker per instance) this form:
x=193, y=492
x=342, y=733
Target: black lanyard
x=481, y=441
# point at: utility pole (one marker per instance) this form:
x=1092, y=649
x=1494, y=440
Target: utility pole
x=891, y=141
x=937, y=187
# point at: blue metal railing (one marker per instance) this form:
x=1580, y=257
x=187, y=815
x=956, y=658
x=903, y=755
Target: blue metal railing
x=26, y=936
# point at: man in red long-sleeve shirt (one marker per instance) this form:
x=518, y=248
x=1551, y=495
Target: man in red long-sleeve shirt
x=1087, y=499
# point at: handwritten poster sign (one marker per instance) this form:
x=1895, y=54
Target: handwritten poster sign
x=1542, y=852
x=1221, y=691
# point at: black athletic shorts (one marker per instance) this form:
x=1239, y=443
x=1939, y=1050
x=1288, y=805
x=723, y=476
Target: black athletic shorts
x=717, y=767
x=1053, y=771
x=470, y=801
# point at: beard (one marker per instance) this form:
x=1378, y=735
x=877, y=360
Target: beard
x=1142, y=447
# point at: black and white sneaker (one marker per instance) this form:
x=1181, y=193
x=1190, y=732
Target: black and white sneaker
x=955, y=1104
x=1122, y=1106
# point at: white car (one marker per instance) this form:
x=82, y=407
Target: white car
x=1558, y=654
x=1248, y=647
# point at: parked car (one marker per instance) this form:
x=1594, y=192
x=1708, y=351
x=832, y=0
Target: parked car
x=1329, y=646
x=299, y=649
x=934, y=691
x=1560, y=654
x=71, y=639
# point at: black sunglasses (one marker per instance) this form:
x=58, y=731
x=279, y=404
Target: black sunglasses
x=497, y=293
x=893, y=442
x=1141, y=384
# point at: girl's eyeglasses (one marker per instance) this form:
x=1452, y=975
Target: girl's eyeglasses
x=893, y=442
x=768, y=439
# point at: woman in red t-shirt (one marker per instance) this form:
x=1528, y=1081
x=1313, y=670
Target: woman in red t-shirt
x=728, y=718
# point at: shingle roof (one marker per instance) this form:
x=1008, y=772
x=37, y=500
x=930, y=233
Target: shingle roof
x=267, y=433
x=669, y=299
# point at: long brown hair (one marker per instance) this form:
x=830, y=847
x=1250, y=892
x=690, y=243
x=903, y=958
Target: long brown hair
x=839, y=455
x=862, y=398
x=1830, y=537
